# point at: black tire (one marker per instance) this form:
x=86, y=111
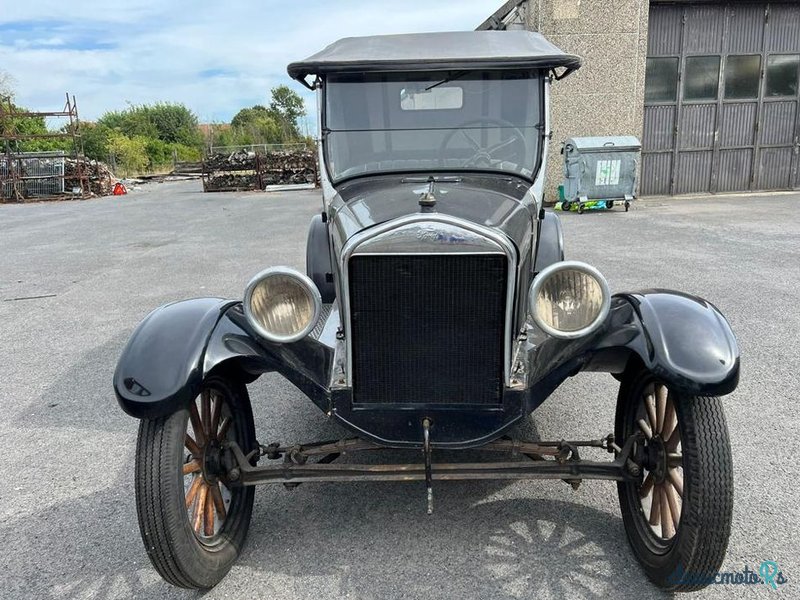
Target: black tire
x=627, y=206
x=178, y=553
x=688, y=559
x=580, y=209
x=609, y=204
x=566, y=206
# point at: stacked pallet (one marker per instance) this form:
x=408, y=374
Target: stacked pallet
x=235, y=172
x=247, y=170
x=286, y=167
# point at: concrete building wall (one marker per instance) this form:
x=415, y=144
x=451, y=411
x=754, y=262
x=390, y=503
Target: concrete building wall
x=606, y=95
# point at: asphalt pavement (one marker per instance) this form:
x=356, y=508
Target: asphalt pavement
x=76, y=277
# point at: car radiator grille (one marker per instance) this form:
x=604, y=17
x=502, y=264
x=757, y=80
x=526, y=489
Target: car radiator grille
x=428, y=329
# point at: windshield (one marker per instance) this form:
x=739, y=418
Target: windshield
x=474, y=120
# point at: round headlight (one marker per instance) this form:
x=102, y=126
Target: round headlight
x=282, y=304
x=569, y=299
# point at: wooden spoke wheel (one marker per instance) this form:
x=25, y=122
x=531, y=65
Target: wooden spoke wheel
x=207, y=496
x=193, y=522
x=661, y=492
x=677, y=515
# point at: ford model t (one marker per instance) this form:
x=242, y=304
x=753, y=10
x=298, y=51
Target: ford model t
x=436, y=312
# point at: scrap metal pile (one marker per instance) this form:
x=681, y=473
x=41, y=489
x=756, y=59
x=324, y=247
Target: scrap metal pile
x=49, y=175
x=247, y=170
x=40, y=177
x=101, y=180
x=286, y=167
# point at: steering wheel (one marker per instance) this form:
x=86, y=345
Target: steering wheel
x=514, y=149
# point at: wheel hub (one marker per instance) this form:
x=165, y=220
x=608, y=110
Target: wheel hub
x=212, y=462
x=655, y=459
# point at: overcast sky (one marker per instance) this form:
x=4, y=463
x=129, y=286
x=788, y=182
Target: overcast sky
x=215, y=57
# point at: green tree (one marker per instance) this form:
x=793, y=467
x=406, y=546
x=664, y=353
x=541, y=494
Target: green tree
x=253, y=126
x=287, y=103
x=174, y=123
x=165, y=129
x=168, y=122
x=286, y=107
x=161, y=154
x=134, y=121
x=188, y=153
x=130, y=153
x=96, y=140
x=140, y=138
x=247, y=115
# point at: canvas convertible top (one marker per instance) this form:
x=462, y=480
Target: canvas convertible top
x=436, y=52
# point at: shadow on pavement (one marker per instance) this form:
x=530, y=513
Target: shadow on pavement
x=363, y=541
x=509, y=548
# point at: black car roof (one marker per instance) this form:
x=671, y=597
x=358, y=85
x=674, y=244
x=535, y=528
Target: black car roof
x=435, y=51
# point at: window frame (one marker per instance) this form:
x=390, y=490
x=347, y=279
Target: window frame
x=767, y=95
x=676, y=96
x=759, y=77
x=684, y=78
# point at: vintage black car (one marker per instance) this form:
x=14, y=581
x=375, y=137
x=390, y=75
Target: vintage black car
x=437, y=311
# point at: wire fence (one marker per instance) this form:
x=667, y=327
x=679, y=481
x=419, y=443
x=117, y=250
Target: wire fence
x=257, y=148
x=31, y=175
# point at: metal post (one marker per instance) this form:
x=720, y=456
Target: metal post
x=755, y=163
x=678, y=105
x=713, y=185
x=426, y=431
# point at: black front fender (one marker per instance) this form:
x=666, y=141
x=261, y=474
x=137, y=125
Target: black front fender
x=178, y=345
x=160, y=369
x=682, y=339
x=689, y=342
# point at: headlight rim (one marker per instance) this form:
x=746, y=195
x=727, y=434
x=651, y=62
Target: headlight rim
x=306, y=281
x=564, y=265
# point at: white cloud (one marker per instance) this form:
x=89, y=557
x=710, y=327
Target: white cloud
x=150, y=50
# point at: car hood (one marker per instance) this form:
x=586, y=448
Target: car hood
x=489, y=200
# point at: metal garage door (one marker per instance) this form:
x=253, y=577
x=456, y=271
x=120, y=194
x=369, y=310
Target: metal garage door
x=721, y=98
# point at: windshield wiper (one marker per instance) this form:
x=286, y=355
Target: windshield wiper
x=436, y=178
x=443, y=81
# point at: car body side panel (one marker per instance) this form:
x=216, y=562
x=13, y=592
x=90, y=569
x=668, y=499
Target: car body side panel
x=549, y=242
x=319, y=265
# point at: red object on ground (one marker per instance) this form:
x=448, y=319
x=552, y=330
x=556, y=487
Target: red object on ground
x=119, y=190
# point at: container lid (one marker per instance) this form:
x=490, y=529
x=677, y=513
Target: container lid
x=604, y=143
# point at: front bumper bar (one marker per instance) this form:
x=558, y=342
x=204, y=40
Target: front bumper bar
x=542, y=460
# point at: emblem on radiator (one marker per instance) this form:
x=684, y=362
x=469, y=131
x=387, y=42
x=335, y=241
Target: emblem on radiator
x=431, y=234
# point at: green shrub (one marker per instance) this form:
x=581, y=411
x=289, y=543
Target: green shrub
x=130, y=153
x=96, y=139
